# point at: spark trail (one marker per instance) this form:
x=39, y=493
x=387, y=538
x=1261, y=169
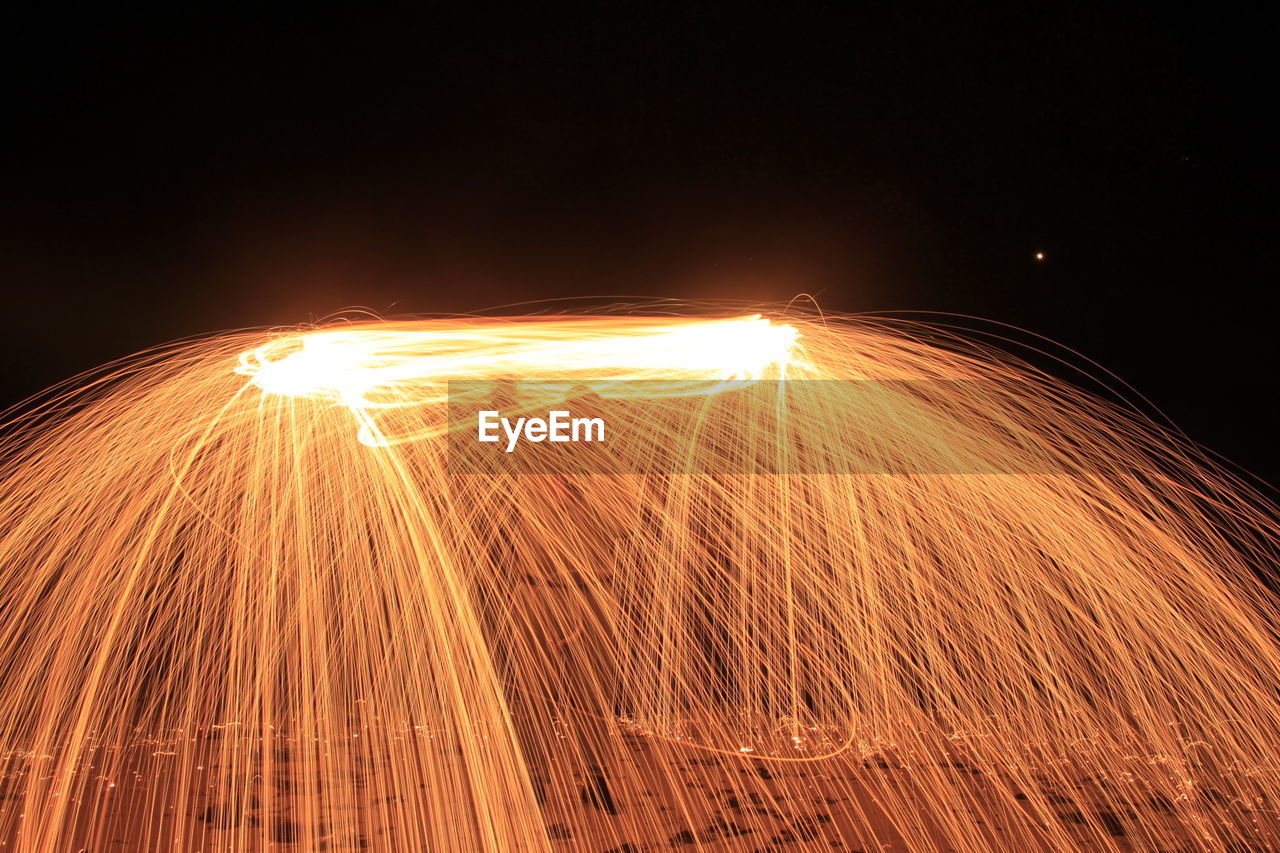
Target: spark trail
x=244, y=603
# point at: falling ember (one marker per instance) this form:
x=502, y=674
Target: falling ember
x=245, y=605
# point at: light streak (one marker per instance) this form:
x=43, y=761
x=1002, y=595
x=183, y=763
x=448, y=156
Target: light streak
x=229, y=620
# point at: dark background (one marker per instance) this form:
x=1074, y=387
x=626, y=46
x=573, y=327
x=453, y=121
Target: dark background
x=166, y=176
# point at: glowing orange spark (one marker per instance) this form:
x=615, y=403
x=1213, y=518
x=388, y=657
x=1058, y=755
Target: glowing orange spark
x=277, y=634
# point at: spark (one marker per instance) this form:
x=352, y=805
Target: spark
x=239, y=571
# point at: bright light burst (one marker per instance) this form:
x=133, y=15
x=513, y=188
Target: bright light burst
x=227, y=624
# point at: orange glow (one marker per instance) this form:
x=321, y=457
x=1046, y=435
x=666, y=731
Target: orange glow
x=244, y=605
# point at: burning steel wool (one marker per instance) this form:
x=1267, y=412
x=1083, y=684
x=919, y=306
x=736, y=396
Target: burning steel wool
x=249, y=601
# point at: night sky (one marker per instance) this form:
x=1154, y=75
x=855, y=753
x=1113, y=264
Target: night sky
x=164, y=177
